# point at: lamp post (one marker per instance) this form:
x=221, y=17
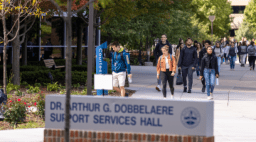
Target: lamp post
x=212, y=18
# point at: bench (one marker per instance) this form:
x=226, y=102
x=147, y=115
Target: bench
x=50, y=62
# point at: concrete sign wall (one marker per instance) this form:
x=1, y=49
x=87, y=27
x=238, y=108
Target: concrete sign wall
x=116, y=114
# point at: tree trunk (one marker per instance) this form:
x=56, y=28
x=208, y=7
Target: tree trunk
x=4, y=58
x=79, y=42
x=94, y=34
x=68, y=70
x=16, y=55
x=24, y=52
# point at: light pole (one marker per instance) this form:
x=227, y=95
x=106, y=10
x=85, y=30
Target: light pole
x=212, y=18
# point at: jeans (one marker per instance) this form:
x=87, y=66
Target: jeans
x=226, y=58
x=219, y=63
x=197, y=68
x=187, y=71
x=243, y=58
x=209, y=75
x=252, y=61
x=166, y=76
x=159, y=80
x=232, y=62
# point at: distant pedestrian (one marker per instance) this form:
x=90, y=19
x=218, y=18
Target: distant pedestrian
x=199, y=48
x=243, y=53
x=209, y=69
x=120, y=63
x=218, y=53
x=158, y=53
x=226, y=49
x=232, y=55
x=48, y=49
x=252, y=54
x=166, y=65
x=238, y=47
x=177, y=53
x=195, y=44
x=187, y=62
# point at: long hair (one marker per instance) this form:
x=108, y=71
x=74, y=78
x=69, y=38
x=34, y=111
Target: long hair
x=178, y=46
x=201, y=46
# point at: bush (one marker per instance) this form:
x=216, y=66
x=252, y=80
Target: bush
x=40, y=99
x=32, y=90
x=15, y=112
x=53, y=87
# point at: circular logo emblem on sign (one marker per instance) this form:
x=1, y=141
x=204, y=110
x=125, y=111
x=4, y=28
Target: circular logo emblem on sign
x=190, y=117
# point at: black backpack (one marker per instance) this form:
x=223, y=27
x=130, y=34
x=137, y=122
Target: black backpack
x=3, y=97
x=251, y=51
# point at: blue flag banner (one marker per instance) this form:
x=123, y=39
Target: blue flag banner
x=101, y=65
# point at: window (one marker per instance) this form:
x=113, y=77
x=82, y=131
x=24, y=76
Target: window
x=238, y=9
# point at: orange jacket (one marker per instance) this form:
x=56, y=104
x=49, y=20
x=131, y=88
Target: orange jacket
x=172, y=64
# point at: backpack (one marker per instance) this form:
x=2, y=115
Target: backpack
x=3, y=97
x=161, y=59
x=251, y=51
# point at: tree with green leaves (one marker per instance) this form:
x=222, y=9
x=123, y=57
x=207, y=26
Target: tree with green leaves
x=249, y=16
x=244, y=31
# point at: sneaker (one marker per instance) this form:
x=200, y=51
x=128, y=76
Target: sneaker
x=158, y=88
x=172, y=96
x=185, y=89
x=250, y=68
x=164, y=97
x=209, y=98
x=211, y=95
x=203, y=89
x=189, y=91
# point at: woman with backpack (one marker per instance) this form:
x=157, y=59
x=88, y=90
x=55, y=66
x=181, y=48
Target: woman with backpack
x=218, y=53
x=167, y=66
x=209, y=69
x=232, y=55
x=252, y=52
x=242, y=50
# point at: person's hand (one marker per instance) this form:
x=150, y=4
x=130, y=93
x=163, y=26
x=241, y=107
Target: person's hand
x=217, y=75
x=157, y=76
x=130, y=75
x=193, y=68
x=200, y=77
x=173, y=74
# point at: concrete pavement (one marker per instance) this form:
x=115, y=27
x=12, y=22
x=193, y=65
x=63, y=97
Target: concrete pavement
x=234, y=113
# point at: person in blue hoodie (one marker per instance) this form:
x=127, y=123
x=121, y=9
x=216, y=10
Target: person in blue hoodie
x=120, y=63
x=158, y=53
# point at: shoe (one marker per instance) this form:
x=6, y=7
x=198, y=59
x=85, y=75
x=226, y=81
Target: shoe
x=185, y=89
x=203, y=89
x=164, y=97
x=158, y=88
x=198, y=78
x=209, y=98
x=172, y=91
x=172, y=96
x=250, y=68
x=126, y=95
x=211, y=95
x=189, y=91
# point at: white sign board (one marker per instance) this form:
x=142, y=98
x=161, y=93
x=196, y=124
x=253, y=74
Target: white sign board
x=103, y=81
x=116, y=114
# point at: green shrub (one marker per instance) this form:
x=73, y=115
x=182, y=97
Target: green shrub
x=40, y=99
x=11, y=87
x=37, y=84
x=53, y=87
x=32, y=90
x=76, y=85
x=15, y=112
x=24, y=83
x=18, y=93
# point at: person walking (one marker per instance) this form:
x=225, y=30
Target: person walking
x=218, y=53
x=209, y=69
x=226, y=49
x=201, y=55
x=158, y=52
x=187, y=63
x=232, y=55
x=167, y=66
x=252, y=52
x=199, y=48
x=238, y=47
x=120, y=63
x=177, y=53
x=243, y=52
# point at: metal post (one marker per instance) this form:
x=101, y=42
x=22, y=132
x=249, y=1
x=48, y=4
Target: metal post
x=91, y=49
x=212, y=31
x=39, y=38
x=65, y=34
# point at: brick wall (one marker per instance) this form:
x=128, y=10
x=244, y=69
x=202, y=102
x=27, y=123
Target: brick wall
x=56, y=135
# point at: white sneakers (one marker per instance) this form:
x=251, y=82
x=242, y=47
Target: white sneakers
x=158, y=88
x=172, y=96
x=210, y=97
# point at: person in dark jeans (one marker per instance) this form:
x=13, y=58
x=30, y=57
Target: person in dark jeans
x=232, y=55
x=209, y=69
x=251, y=52
x=187, y=62
x=157, y=53
x=167, y=66
x=201, y=55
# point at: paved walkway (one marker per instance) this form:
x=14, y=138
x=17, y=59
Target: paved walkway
x=234, y=114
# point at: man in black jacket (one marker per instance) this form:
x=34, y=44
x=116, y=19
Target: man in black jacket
x=158, y=53
x=187, y=62
x=201, y=55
